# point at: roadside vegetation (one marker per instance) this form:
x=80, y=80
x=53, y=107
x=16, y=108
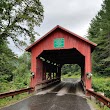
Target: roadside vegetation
x=18, y=79
x=101, y=84
x=96, y=106
x=9, y=100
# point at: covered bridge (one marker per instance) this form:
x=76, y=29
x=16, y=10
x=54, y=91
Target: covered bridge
x=56, y=48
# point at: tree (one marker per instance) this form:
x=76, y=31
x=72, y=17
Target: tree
x=70, y=68
x=19, y=18
x=99, y=32
x=21, y=75
x=7, y=63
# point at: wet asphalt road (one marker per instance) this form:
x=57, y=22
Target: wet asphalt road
x=62, y=97
x=67, y=86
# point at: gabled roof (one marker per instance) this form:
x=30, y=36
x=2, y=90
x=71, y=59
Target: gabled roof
x=59, y=27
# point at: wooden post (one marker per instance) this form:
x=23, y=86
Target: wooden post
x=38, y=72
x=88, y=70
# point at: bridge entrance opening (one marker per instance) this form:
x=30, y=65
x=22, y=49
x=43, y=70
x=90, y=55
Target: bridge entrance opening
x=50, y=62
x=57, y=58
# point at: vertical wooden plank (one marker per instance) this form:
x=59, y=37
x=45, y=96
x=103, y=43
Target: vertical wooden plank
x=88, y=69
x=39, y=70
x=33, y=69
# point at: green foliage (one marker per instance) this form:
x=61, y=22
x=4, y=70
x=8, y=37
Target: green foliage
x=99, y=32
x=21, y=75
x=19, y=18
x=14, y=73
x=101, y=84
x=97, y=106
x=70, y=69
x=17, y=77
x=7, y=63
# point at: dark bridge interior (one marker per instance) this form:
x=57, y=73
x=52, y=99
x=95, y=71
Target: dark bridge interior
x=63, y=56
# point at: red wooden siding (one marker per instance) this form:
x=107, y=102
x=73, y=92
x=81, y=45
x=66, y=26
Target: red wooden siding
x=70, y=42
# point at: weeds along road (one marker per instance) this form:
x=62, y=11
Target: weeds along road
x=68, y=95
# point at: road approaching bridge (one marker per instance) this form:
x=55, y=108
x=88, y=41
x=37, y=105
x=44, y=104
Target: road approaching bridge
x=68, y=95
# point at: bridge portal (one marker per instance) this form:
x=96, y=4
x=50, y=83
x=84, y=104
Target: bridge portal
x=56, y=48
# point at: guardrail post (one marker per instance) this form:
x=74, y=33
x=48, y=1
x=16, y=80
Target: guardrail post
x=12, y=96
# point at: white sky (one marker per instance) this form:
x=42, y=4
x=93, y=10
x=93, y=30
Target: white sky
x=74, y=15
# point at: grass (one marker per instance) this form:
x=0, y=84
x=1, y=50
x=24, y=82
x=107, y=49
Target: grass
x=7, y=87
x=11, y=86
x=70, y=76
x=9, y=100
x=97, y=106
x=101, y=84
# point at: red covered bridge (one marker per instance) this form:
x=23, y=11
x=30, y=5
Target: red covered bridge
x=58, y=47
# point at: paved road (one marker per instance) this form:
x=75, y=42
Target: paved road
x=72, y=86
x=60, y=98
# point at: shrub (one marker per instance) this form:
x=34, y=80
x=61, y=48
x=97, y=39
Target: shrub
x=102, y=84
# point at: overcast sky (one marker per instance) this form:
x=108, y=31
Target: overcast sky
x=74, y=15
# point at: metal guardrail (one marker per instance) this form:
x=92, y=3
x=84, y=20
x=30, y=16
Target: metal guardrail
x=13, y=93
x=101, y=98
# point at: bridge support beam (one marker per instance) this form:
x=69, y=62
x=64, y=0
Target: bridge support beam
x=59, y=72
x=88, y=71
x=37, y=70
